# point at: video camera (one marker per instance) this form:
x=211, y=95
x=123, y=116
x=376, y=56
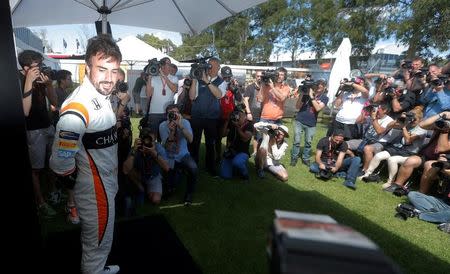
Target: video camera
x=307, y=84
x=146, y=138
x=268, y=75
x=199, y=67
x=153, y=67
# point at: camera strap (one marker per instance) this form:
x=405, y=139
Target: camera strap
x=163, y=85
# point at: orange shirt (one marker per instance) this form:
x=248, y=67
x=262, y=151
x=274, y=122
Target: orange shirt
x=272, y=108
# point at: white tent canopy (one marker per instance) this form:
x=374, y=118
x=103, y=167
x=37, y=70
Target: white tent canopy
x=134, y=49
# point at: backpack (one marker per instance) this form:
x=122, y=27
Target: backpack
x=227, y=104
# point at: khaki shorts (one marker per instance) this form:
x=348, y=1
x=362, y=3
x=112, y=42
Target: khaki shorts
x=39, y=146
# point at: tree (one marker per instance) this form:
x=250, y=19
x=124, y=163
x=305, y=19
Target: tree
x=165, y=45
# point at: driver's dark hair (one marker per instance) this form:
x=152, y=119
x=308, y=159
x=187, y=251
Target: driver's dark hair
x=103, y=44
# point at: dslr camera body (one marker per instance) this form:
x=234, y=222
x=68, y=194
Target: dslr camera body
x=172, y=116
x=407, y=119
x=146, y=137
x=325, y=174
x=405, y=211
x=442, y=123
x=121, y=86
x=153, y=67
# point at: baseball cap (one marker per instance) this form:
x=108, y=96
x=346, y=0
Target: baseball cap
x=226, y=71
x=285, y=130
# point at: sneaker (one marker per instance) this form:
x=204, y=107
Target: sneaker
x=386, y=185
x=401, y=191
x=260, y=173
x=392, y=187
x=72, y=215
x=445, y=227
x=350, y=185
x=188, y=199
x=371, y=178
x=293, y=162
x=306, y=162
x=111, y=269
x=46, y=211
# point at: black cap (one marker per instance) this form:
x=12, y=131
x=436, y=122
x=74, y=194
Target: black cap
x=226, y=71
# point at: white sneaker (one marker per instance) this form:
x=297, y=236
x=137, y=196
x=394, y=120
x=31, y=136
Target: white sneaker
x=111, y=269
x=386, y=185
x=366, y=174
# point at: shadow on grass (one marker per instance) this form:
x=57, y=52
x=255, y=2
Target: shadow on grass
x=226, y=231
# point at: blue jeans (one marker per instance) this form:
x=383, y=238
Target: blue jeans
x=309, y=132
x=432, y=209
x=187, y=164
x=349, y=165
x=239, y=162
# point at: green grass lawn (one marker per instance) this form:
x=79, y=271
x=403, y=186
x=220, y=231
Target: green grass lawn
x=225, y=229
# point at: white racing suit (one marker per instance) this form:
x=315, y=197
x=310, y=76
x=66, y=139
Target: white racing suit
x=86, y=141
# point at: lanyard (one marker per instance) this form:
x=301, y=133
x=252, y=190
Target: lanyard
x=164, y=86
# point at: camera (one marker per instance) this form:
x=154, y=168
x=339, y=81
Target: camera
x=407, y=64
x=198, y=68
x=229, y=153
x=268, y=75
x=371, y=108
x=121, y=86
x=47, y=71
x=442, y=123
x=153, y=67
x=234, y=116
x=407, y=119
x=441, y=165
x=306, y=84
x=421, y=73
x=172, y=116
x=325, y=174
x=405, y=211
x=146, y=137
x=187, y=83
x=442, y=80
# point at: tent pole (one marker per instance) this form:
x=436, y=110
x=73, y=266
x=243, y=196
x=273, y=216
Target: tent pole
x=104, y=23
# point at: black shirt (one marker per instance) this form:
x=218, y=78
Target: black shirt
x=330, y=151
x=234, y=139
x=38, y=116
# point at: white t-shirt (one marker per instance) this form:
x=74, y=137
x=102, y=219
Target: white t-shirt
x=351, y=108
x=160, y=101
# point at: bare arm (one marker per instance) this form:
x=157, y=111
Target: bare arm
x=339, y=160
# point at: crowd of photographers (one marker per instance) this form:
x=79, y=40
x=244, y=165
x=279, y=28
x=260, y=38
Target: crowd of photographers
x=399, y=122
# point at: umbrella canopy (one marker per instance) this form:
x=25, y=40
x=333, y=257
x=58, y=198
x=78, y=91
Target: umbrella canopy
x=340, y=70
x=185, y=16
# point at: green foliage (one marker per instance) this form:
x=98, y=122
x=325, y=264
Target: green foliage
x=165, y=45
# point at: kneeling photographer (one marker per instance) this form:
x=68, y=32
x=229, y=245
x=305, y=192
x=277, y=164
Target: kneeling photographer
x=176, y=133
x=239, y=132
x=330, y=158
x=144, y=164
x=271, y=149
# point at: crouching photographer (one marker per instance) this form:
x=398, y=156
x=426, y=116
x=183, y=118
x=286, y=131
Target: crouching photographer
x=330, y=153
x=239, y=132
x=176, y=133
x=144, y=164
x=271, y=149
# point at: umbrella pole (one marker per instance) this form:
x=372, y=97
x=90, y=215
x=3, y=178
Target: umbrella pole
x=104, y=23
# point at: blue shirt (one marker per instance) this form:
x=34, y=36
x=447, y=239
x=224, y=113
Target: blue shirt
x=307, y=114
x=435, y=102
x=175, y=149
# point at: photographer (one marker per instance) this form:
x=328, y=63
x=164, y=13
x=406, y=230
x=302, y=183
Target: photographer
x=274, y=93
x=414, y=75
x=351, y=97
x=330, y=153
x=144, y=165
x=205, y=111
x=176, y=134
x=37, y=87
x=239, y=133
x=400, y=99
x=437, y=97
x=432, y=209
x=271, y=149
x=433, y=151
x=160, y=90
x=310, y=102
x=251, y=97
x=183, y=101
x=400, y=148
x=376, y=133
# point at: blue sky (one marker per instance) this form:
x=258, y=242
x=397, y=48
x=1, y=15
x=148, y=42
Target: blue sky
x=56, y=34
